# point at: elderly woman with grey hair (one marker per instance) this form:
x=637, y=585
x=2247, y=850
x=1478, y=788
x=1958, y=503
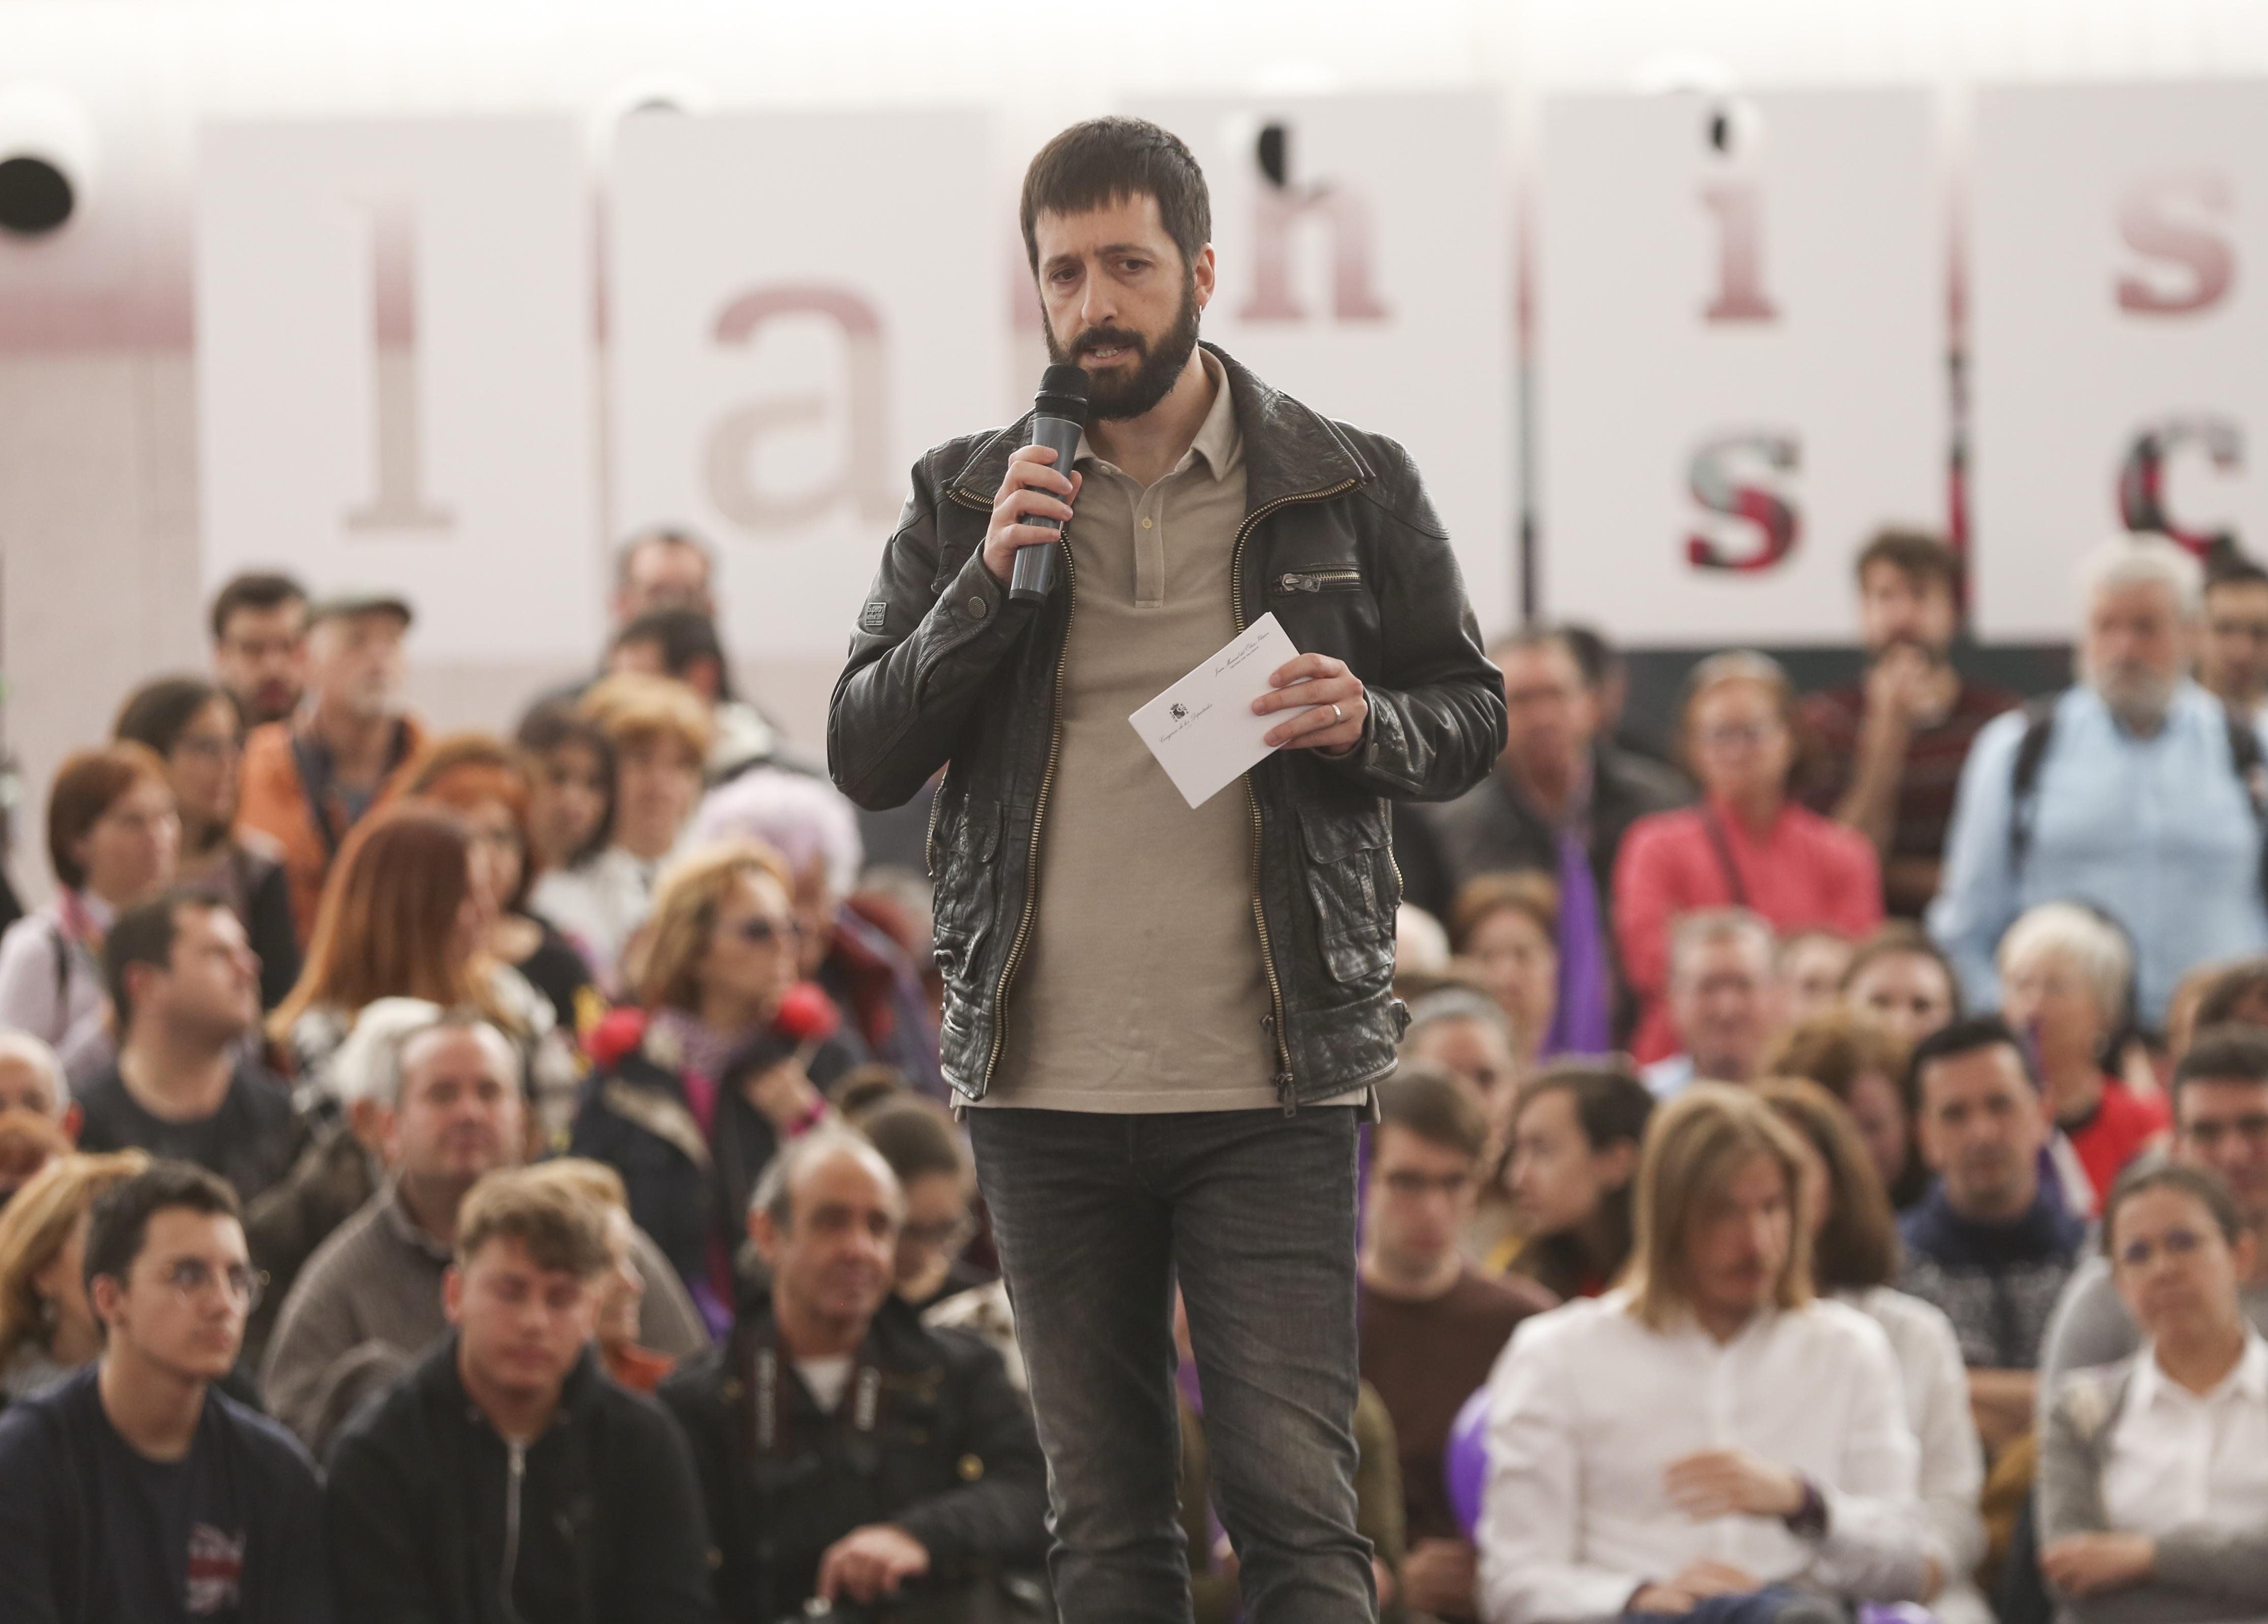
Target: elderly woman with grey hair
x=2154, y=1472
x=2066, y=978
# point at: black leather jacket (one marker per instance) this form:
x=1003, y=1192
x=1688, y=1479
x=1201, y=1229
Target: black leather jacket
x=1340, y=541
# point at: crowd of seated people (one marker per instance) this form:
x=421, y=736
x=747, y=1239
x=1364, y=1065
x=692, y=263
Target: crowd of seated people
x=471, y=1175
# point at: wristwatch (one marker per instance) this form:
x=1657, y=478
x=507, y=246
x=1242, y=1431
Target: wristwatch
x=1808, y=1521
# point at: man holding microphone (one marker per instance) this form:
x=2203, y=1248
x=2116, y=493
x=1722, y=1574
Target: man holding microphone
x=1164, y=1020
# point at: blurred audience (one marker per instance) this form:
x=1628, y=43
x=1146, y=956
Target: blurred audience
x=683, y=644
x=1991, y=1246
x=1561, y=798
x=48, y=1328
x=659, y=735
x=922, y=1144
x=2134, y=789
x=1504, y=928
x=185, y=995
x=2220, y=1124
x=114, y=838
x=1854, y=1257
x=1709, y=1430
x=487, y=783
x=602, y=1517
x=1812, y=966
x=1858, y=1061
x=2066, y=975
x=805, y=1496
x=1726, y=1000
x=1577, y=1131
x=2154, y=1472
x=1884, y=754
x=1747, y=845
x=194, y=727
x=858, y=948
x=309, y=778
x=693, y=1092
x=259, y=623
x=570, y=808
x=1432, y=1325
x=622, y=1288
x=1901, y=978
x=2232, y=657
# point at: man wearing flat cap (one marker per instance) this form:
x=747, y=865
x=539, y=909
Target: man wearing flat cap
x=311, y=777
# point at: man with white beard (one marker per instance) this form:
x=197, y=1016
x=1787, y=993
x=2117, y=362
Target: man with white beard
x=2132, y=789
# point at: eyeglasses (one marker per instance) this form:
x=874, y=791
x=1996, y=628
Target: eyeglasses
x=948, y=1236
x=192, y=1278
x=765, y=932
x=209, y=749
x=2177, y=1244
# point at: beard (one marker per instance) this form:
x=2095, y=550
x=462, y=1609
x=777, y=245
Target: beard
x=2137, y=695
x=1110, y=399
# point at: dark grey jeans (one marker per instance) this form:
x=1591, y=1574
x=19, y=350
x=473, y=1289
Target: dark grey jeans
x=1253, y=1211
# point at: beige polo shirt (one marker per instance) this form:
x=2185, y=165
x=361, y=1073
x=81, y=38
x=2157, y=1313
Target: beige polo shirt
x=1142, y=988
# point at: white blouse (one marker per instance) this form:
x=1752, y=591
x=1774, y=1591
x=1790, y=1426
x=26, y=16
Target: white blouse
x=2179, y=1458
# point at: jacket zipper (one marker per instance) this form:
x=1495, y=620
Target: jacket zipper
x=515, y=1478
x=1317, y=580
x=1285, y=1084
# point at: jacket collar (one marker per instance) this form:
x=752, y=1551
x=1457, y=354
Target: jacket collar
x=1289, y=450
x=437, y=1377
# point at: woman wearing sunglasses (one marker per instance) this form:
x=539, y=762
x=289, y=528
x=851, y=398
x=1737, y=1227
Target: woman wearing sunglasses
x=2154, y=1472
x=691, y=1093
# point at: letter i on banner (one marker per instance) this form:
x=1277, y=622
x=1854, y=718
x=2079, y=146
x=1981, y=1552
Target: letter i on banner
x=2116, y=333
x=1712, y=275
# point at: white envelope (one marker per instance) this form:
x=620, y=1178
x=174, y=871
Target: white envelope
x=1202, y=729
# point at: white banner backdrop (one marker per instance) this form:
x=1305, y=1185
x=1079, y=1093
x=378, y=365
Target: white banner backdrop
x=1741, y=352
x=800, y=304
x=1365, y=267
x=395, y=372
x=2119, y=332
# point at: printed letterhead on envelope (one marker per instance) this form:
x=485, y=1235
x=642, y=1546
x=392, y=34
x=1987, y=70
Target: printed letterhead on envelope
x=1202, y=729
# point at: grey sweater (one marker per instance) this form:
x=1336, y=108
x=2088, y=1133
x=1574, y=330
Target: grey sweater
x=2203, y=1574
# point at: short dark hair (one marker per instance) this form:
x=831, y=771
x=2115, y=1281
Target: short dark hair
x=85, y=787
x=1958, y=1038
x=563, y=1230
x=1612, y=1102
x=2202, y=1184
x=144, y=934
x=685, y=638
x=1598, y=659
x=1917, y=555
x=916, y=1137
x=555, y=725
x=2244, y=982
x=1108, y=161
x=2228, y=1054
x=659, y=535
x=1424, y=1101
x=158, y=712
x=1897, y=938
x=118, y=1223
x=254, y=589
x=2233, y=568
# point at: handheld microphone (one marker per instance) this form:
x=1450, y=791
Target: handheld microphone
x=1058, y=414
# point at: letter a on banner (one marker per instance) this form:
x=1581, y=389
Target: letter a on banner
x=395, y=378
x=1365, y=268
x=2117, y=333
x=1740, y=357
x=782, y=352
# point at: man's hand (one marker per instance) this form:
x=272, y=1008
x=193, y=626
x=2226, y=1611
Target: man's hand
x=1031, y=488
x=1439, y=1577
x=1898, y=688
x=870, y=1561
x=1341, y=709
x=784, y=1095
x=2088, y=1564
x=1731, y=1482
x=1699, y=1581
x=2004, y=1404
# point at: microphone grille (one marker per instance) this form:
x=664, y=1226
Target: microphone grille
x=1063, y=394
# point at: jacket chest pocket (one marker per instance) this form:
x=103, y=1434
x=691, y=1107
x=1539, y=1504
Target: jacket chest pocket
x=963, y=849
x=1309, y=582
x=1354, y=888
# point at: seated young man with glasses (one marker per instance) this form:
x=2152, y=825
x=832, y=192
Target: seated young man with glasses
x=135, y=1492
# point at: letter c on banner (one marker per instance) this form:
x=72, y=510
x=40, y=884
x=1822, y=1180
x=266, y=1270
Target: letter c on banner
x=1716, y=478
x=729, y=463
x=2203, y=258
x=2142, y=476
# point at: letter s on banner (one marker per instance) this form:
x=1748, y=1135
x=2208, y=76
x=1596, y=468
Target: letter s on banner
x=2148, y=224
x=729, y=461
x=1722, y=485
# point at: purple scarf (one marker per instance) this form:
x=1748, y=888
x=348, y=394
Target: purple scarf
x=1581, y=1023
